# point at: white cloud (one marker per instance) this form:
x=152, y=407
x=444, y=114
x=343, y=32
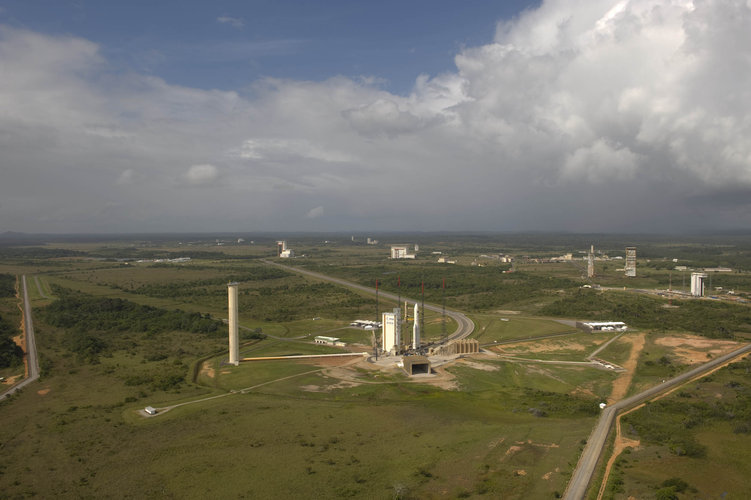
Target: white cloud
x=235, y=22
x=314, y=213
x=614, y=102
x=200, y=175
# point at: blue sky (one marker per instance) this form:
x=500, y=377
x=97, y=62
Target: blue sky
x=228, y=45
x=574, y=115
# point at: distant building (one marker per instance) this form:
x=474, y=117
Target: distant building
x=150, y=410
x=602, y=326
x=280, y=247
x=366, y=324
x=287, y=254
x=697, y=284
x=401, y=252
x=320, y=339
x=630, y=268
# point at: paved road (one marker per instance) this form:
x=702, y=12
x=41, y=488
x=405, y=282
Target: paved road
x=465, y=326
x=585, y=469
x=31, y=347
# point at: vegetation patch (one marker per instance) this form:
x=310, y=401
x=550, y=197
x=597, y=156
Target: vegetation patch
x=710, y=319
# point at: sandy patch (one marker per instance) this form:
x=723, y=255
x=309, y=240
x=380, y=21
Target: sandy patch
x=620, y=444
x=520, y=472
x=343, y=384
x=513, y=449
x=692, y=349
x=42, y=392
x=480, y=366
x=207, y=369
x=622, y=383
x=547, y=475
x=11, y=380
x=549, y=346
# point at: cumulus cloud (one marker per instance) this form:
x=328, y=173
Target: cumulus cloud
x=623, y=104
x=382, y=117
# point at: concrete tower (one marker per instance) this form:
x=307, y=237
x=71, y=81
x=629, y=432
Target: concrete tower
x=630, y=268
x=591, y=262
x=415, y=331
x=234, y=339
x=697, y=284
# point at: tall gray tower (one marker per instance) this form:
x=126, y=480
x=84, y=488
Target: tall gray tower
x=591, y=262
x=234, y=339
x=415, y=331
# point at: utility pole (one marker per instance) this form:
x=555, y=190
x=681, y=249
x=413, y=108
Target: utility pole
x=422, y=310
x=375, y=338
x=443, y=318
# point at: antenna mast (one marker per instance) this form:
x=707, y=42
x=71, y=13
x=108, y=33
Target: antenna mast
x=375, y=334
x=443, y=318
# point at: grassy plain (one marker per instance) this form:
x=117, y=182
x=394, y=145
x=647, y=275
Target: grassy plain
x=509, y=429
x=702, y=438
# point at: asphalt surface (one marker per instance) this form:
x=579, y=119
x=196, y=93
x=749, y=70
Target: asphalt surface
x=465, y=326
x=580, y=479
x=31, y=347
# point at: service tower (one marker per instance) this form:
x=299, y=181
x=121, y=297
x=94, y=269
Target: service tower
x=234, y=339
x=415, y=331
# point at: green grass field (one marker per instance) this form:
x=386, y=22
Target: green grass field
x=507, y=429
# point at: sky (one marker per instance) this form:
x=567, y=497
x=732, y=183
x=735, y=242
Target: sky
x=553, y=115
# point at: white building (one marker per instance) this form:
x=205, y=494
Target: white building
x=697, y=284
x=321, y=339
x=604, y=326
x=391, y=335
x=401, y=252
x=287, y=254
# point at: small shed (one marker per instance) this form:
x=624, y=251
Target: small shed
x=150, y=410
x=416, y=365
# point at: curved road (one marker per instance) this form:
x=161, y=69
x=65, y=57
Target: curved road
x=585, y=469
x=31, y=348
x=465, y=326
